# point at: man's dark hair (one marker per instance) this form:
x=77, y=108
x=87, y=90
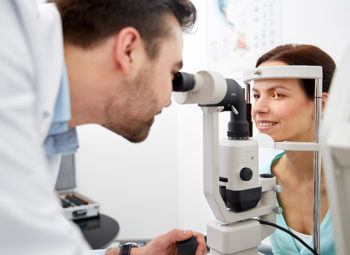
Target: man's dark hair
x=303, y=54
x=88, y=22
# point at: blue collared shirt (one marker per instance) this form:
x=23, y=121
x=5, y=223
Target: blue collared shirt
x=61, y=139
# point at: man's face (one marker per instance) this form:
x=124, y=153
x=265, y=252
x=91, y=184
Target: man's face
x=149, y=92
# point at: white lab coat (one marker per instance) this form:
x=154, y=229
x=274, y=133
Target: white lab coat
x=31, y=61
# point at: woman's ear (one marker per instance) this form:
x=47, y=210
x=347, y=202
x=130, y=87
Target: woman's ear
x=324, y=100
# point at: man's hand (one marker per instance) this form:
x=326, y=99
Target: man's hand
x=166, y=244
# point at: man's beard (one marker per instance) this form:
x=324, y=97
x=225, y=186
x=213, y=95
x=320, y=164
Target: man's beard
x=133, y=126
x=131, y=133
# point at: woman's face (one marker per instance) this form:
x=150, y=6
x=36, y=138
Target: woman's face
x=281, y=108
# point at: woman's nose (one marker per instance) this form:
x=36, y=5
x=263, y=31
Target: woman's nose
x=260, y=106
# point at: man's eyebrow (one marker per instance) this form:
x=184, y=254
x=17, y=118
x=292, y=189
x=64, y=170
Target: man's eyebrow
x=272, y=88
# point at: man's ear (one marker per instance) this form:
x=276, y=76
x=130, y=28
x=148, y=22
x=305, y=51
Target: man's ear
x=324, y=100
x=127, y=45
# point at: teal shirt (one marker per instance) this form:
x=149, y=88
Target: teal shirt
x=282, y=243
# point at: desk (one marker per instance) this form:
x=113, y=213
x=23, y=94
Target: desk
x=99, y=231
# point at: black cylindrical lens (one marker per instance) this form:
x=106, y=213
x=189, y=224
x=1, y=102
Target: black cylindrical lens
x=183, y=82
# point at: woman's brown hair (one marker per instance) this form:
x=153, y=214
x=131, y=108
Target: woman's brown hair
x=303, y=54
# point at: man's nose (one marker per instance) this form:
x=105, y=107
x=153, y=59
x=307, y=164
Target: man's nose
x=168, y=104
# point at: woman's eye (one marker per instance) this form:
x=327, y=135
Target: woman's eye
x=277, y=95
x=256, y=96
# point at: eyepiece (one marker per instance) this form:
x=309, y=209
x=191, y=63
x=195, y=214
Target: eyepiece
x=183, y=82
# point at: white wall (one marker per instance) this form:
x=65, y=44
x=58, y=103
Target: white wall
x=320, y=22
x=157, y=185
x=135, y=183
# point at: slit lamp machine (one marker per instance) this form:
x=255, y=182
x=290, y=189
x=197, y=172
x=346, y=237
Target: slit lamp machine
x=239, y=197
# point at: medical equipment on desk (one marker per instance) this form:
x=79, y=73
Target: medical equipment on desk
x=241, y=200
x=75, y=205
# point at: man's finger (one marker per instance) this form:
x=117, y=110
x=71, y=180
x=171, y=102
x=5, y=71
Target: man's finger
x=176, y=235
x=202, y=245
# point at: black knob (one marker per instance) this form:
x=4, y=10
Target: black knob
x=187, y=247
x=246, y=174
